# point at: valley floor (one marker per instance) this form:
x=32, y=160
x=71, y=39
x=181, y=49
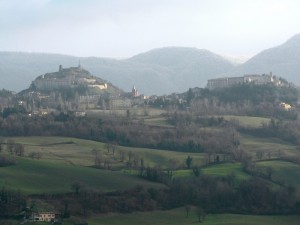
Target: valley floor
x=178, y=217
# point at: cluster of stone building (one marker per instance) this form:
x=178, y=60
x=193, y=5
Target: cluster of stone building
x=48, y=216
x=63, y=79
x=256, y=79
x=44, y=88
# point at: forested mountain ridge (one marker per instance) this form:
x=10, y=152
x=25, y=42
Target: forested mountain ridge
x=167, y=70
x=282, y=60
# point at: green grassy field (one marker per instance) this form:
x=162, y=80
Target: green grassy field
x=225, y=169
x=248, y=121
x=78, y=152
x=178, y=217
x=41, y=176
x=220, y=170
x=66, y=160
x=287, y=172
x=135, y=112
x=158, y=121
x=68, y=150
x=273, y=146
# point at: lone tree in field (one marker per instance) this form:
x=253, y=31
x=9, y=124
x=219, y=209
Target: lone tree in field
x=76, y=187
x=187, y=210
x=189, y=161
x=269, y=171
x=98, y=158
x=35, y=155
x=2, y=141
x=201, y=214
x=108, y=147
x=19, y=149
x=122, y=155
x=196, y=171
x=10, y=146
x=172, y=165
x=130, y=156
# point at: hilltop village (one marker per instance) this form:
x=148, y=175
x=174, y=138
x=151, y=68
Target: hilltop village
x=256, y=79
x=75, y=90
x=67, y=78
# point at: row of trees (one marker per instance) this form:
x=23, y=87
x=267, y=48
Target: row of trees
x=186, y=138
x=205, y=194
x=288, y=131
x=15, y=148
x=244, y=99
x=11, y=203
x=208, y=194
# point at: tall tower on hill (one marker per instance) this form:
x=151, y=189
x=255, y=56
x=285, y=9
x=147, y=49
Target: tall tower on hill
x=135, y=92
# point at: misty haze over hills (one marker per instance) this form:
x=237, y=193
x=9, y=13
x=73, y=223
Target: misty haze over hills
x=159, y=71
x=283, y=60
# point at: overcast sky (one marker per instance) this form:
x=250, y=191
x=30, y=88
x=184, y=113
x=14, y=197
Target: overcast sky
x=123, y=28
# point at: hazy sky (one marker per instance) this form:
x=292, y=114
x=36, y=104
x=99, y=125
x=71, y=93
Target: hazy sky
x=122, y=28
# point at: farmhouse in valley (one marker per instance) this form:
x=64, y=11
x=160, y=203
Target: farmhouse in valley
x=44, y=216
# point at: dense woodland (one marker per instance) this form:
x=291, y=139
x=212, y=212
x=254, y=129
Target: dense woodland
x=197, y=125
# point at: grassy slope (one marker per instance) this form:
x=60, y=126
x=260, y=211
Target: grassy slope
x=158, y=121
x=244, y=121
x=221, y=170
x=267, y=145
x=41, y=176
x=78, y=151
x=65, y=160
x=178, y=217
x=248, y=121
x=69, y=152
x=284, y=171
x=226, y=169
x=135, y=112
x=69, y=158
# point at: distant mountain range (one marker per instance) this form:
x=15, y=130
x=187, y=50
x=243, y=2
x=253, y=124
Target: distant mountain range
x=159, y=71
x=283, y=60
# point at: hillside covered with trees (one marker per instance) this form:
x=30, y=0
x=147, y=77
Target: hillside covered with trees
x=177, y=141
